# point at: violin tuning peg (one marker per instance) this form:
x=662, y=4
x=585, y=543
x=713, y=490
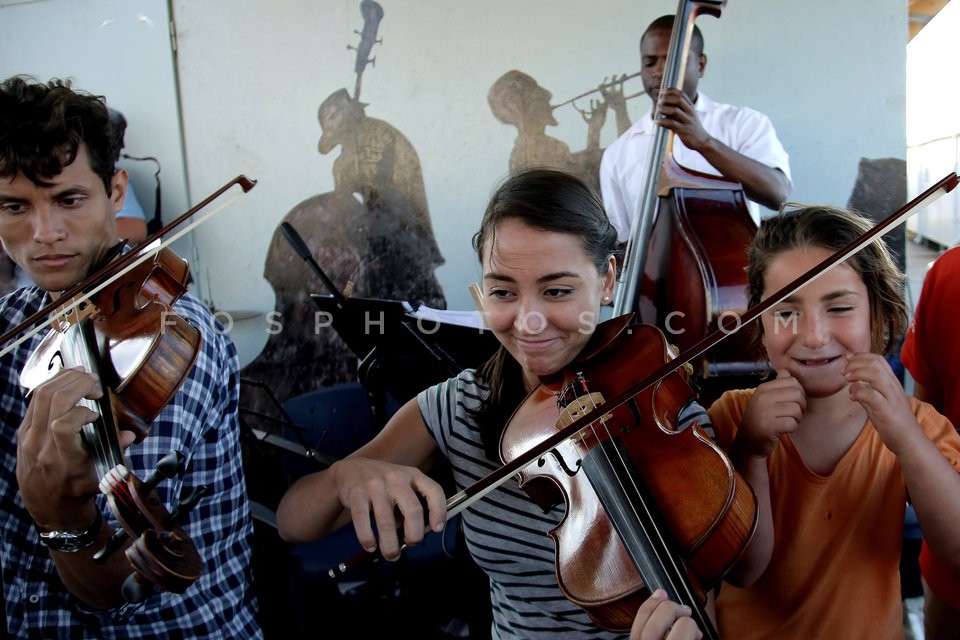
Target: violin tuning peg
x=187, y=504
x=135, y=590
x=116, y=541
x=171, y=464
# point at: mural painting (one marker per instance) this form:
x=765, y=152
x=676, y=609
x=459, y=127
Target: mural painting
x=518, y=100
x=371, y=235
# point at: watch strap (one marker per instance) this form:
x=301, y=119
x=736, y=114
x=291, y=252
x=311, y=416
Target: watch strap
x=70, y=540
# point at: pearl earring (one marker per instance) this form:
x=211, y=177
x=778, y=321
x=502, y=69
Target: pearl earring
x=606, y=298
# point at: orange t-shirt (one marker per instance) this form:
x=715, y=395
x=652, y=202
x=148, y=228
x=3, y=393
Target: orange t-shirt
x=834, y=572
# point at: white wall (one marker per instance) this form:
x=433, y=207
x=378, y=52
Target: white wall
x=116, y=48
x=933, y=117
x=252, y=74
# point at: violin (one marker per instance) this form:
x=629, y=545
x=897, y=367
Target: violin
x=645, y=495
x=119, y=324
x=142, y=351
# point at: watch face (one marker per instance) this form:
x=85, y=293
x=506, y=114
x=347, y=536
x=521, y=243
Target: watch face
x=69, y=541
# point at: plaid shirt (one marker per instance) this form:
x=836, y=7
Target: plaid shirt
x=201, y=421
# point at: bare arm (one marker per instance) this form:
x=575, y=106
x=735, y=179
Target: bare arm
x=774, y=409
x=766, y=185
x=763, y=184
x=751, y=565
x=932, y=483
x=57, y=483
x=385, y=478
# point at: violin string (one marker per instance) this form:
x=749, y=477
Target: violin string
x=672, y=568
x=124, y=496
x=147, y=252
x=79, y=353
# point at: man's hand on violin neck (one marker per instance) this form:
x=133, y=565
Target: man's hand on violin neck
x=54, y=472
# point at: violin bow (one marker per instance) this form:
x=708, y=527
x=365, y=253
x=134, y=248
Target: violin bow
x=80, y=293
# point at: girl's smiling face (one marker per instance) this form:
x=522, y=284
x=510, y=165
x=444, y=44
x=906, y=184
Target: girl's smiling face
x=542, y=295
x=810, y=333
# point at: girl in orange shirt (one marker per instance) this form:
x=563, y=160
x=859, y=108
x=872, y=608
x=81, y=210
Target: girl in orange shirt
x=832, y=446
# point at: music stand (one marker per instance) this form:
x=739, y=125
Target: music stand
x=399, y=353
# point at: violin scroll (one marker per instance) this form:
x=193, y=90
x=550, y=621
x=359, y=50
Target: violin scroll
x=161, y=553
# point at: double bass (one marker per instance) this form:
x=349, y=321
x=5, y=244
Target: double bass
x=685, y=257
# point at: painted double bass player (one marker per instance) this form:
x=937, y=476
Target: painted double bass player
x=682, y=186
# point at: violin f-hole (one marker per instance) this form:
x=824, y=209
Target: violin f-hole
x=56, y=356
x=563, y=463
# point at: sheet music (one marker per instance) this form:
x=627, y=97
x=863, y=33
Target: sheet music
x=470, y=319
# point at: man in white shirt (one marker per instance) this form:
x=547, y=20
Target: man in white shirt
x=737, y=143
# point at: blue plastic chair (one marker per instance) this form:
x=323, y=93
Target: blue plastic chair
x=336, y=421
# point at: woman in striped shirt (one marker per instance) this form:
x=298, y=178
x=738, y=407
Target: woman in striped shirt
x=547, y=251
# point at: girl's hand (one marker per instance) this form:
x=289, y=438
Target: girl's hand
x=662, y=619
x=874, y=385
x=775, y=409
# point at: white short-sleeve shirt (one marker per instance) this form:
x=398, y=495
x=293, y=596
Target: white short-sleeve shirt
x=623, y=165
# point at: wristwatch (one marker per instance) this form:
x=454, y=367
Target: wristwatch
x=70, y=540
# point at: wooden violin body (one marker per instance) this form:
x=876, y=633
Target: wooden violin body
x=701, y=505
x=146, y=350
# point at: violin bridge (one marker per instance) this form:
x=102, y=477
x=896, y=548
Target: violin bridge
x=579, y=407
x=673, y=352
x=71, y=313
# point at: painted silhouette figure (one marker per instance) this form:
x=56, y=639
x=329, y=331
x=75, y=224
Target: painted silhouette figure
x=380, y=165
x=371, y=235
x=518, y=100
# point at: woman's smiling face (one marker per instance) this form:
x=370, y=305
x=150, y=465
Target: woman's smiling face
x=542, y=295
